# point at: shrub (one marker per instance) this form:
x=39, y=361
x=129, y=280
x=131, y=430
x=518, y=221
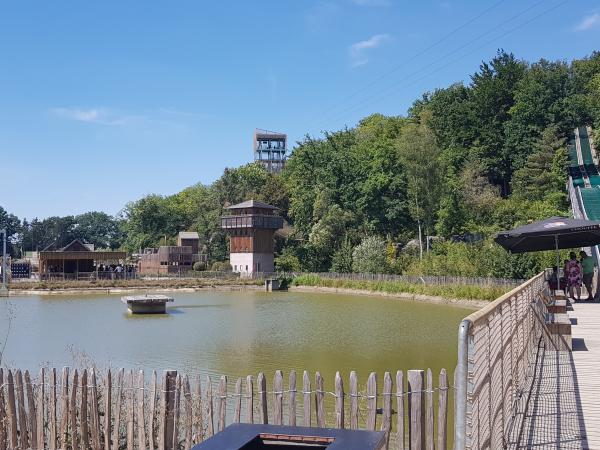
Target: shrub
x=221, y=266
x=370, y=256
x=199, y=266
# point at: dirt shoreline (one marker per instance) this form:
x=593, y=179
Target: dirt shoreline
x=460, y=302
x=126, y=290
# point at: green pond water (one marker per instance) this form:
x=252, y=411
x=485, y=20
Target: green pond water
x=234, y=333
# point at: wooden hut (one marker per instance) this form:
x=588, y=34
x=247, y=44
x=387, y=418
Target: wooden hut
x=75, y=261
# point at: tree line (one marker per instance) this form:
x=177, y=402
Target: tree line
x=395, y=193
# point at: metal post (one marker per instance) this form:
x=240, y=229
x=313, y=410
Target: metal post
x=4, y=288
x=558, y=265
x=462, y=372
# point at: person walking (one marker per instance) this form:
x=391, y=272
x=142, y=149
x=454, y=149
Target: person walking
x=587, y=266
x=573, y=269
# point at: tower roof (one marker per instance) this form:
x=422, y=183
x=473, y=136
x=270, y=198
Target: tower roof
x=252, y=204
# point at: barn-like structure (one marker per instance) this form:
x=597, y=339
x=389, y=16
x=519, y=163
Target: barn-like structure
x=75, y=261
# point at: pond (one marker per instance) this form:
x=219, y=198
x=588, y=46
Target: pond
x=232, y=333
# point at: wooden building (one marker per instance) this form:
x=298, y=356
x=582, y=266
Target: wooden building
x=251, y=226
x=75, y=261
x=166, y=259
x=188, y=239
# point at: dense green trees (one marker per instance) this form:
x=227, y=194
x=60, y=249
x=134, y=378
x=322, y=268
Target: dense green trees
x=468, y=159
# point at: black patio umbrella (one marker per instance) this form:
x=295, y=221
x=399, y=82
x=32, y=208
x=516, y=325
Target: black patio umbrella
x=551, y=234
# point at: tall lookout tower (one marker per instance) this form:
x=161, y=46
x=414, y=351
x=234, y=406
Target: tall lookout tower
x=270, y=149
x=251, y=226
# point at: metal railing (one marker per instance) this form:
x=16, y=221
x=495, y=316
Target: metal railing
x=497, y=350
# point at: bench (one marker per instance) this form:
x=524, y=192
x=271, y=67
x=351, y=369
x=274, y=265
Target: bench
x=559, y=326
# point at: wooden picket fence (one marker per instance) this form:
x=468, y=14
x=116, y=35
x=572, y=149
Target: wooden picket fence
x=88, y=410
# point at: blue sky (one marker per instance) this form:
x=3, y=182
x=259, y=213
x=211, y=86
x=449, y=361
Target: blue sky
x=104, y=102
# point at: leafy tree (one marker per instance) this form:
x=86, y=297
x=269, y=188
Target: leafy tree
x=369, y=256
x=287, y=262
x=12, y=225
x=544, y=171
x=98, y=228
x=342, y=258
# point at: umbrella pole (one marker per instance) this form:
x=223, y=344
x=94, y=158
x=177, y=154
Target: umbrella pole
x=557, y=263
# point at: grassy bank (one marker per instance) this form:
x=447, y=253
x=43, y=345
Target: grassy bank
x=132, y=284
x=399, y=287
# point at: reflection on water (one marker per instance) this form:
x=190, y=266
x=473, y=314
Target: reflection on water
x=233, y=333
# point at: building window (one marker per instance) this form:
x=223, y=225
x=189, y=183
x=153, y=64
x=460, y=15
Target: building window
x=246, y=268
x=235, y=268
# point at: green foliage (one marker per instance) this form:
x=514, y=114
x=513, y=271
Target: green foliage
x=342, y=258
x=287, y=262
x=221, y=266
x=398, y=287
x=199, y=266
x=370, y=256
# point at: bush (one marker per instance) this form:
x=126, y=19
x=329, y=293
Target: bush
x=199, y=266
x=221, y=266
x=287, y=262
x=370, y=256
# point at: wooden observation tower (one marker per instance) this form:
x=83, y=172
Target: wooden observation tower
x=270, y=149
x=251, y=226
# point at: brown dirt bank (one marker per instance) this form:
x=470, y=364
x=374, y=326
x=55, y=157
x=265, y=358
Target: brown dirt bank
x=124, y=286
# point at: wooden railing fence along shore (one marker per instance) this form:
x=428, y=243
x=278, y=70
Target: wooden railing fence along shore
x=124, y=410
x=188, y=274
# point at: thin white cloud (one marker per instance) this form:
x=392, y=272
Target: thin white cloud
x=359, y=50
x=589, y=22
x=371, y=2
x=321, y=15
x=100, y=116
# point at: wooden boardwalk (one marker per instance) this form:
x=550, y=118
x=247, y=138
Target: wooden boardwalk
x=564, y=408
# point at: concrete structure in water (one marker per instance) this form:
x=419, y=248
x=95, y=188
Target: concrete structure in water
x=147, y=304
x=251, y=227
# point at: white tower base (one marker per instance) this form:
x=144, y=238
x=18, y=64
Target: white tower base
x=248, y=263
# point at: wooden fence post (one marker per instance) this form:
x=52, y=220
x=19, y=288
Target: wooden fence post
x=386, y=421
x=189, y=419
x=306, y=393
x=210, y=430
x=23, y=433
x=64, y=409
x=152, y=407
x=141, y=410
x=442, y=411
x=292, y=399
x=372, y=401
x=278, y=398
x=3, y=418
x=170, y=385
x=129, y=406
x=177, y=412
x=73, y=411
x=52, y=418
x=416, y=410
x=319, y=398
x=83, y=407
x=249, y=399
x=94, y=412
x=222, y=402
x=339, y=401
x=237, y=412
x=41, y=410
x=353, y=401
x=262, y=398
x=429, y=427
x=118, y=400
x=400, y=410
x=11, y=410
x=107, y=409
